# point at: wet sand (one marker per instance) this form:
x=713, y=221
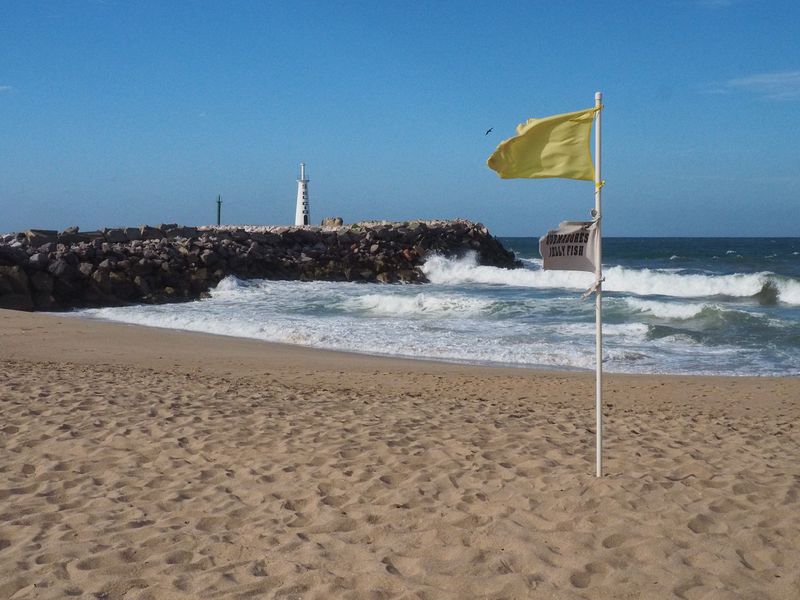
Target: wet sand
x=143, y=463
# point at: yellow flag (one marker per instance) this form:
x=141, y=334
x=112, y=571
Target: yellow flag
x=556, y=146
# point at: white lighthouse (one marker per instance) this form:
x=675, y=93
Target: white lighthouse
x=302, y=216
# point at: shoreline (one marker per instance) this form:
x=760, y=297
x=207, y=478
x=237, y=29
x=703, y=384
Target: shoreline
x=447, y=361
x=352, y=353
x=145, y=463
x=15, y=322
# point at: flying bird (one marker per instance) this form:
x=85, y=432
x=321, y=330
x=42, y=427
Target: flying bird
x=488, y=131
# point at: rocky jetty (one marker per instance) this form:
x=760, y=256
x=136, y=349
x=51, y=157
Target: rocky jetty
x=50, y=270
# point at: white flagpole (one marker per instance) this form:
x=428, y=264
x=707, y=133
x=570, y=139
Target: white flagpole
x=598, y=297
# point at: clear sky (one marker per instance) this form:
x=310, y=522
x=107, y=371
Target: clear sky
x=123, y=113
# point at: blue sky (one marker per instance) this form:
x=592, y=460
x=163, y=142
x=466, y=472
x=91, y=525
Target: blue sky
x=123, y=113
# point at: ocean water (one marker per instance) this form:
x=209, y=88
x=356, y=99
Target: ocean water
x=671, y=305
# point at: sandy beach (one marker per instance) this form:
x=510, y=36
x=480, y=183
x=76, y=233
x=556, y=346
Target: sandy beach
x=151, y=464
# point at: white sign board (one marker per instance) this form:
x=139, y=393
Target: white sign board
x=571, y=247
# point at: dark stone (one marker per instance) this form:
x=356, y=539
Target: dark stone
x=41, y=282
x=44, y=301
x=67, y=292
x=37, y=237
x=40, y=260
x=12, y=256
x=16, y=302
x=142, y=285
x=121, y=286
x=210, y=258
x=88, y=236
x=133, y=233
x=102, y=280
x=86, y=268
x=182, y=232
x=144, y=267
x=61, y=269
x=114, y=236
x=150, y=233
x=13, y=280
x=67, y=238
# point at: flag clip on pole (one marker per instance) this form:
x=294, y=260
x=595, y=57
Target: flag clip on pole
x=598, y=289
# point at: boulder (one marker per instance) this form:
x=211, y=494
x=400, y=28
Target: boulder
x=88, y=236
x=182, y=232
x=86, y=268
x=68, y=292
x=142, y=285
x=69, y=235
x=42, y=282
x=145, y=266
x=102, y=280
x=44, y=301
x=37, y=237
x=121, y=286
x=12, y=256
x=114, y=236
x=61, y=269
x=150, y=233
x=108, y=264
x=13, y=280
x=17, y=302
x=210, y=258
x=40, y=261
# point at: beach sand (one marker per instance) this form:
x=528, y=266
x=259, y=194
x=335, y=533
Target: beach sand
x=143, y=463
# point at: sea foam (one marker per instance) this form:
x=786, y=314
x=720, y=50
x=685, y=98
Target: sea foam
x=642, y=282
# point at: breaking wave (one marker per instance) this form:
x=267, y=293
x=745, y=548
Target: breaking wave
x=666, y=310
x=764, y=286
x=388, y=305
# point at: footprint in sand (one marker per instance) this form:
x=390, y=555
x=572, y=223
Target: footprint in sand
x=179, y=557
x=73, y=591
x=703, y=524
x=580, y=579
x=390, y=568
x=89, y=564
x=614, y=540
x=723, y=506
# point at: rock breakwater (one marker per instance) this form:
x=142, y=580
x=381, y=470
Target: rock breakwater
x=50, y=270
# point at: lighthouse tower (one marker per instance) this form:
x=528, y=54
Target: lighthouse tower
x=302, y=215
